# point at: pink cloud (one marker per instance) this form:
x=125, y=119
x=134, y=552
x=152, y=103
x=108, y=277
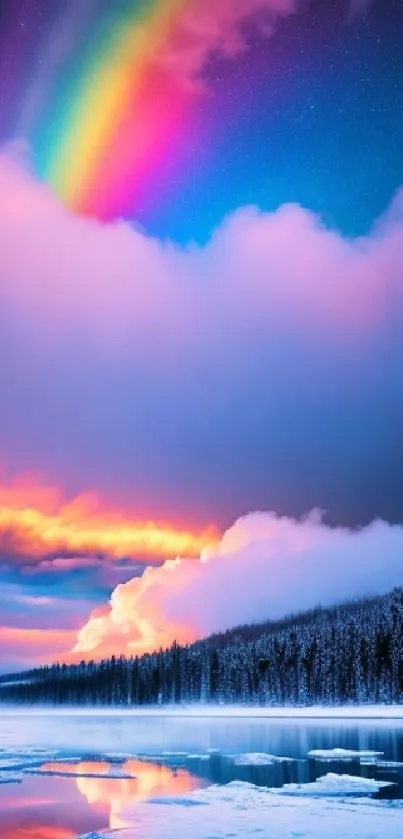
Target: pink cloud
x=267, y=567
x=118, y=292
x=32, y=647
x=206, y=27
x=66, y=563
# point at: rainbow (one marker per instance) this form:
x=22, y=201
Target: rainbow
x=118, y=117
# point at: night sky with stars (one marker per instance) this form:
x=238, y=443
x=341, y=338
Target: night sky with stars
x=313, y=114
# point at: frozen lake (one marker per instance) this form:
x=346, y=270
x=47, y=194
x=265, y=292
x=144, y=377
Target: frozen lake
x=64, y=774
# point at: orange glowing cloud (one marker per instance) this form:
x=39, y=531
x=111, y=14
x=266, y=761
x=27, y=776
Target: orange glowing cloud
x=37, y=524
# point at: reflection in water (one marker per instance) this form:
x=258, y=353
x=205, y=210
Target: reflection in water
x=146, y=734
x=84, y=803
x=45, y=808
x=113, y=795
x=89, y=797
x=83, y=767
x=36, y=831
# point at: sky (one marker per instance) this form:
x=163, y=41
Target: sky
x=201, y=311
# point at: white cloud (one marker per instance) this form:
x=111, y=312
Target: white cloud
x=264, y=568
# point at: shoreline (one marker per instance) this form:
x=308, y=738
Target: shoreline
x=337, y=712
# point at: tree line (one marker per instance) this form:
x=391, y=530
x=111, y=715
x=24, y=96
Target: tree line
x=352, y=653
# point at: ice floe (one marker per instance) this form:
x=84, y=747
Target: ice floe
x=21, y=759
x=242, y=811
x=259, y=759
x=63, y=771
x=343, y=754
x=333, y=784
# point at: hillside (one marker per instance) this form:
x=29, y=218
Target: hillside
x=349, y=653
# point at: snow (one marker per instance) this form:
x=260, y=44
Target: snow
x=242, y=811
x=344, y=754
x=21, y=759
x=322, y=712
x=14, y=763
x=259, y=759
x=333, y=784
x=114, y=772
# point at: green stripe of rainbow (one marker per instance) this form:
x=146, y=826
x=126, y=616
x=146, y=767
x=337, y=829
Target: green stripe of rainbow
x=111, y=82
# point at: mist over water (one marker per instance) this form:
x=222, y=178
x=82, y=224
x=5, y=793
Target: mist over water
x=154, y=733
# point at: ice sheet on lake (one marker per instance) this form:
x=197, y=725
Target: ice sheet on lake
x=114, y=772
x=343, y=754
x=242, y=811
x=15, y=764
x=322, y=712
x=259, y=759
x=20, y=759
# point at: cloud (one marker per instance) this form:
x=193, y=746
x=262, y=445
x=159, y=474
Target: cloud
x=259, y=370
x=119, y=288
x=58, y=558
x=267, y=566
x=38, y=528
x=205, y=28
x=200, y=28
x=31, y=647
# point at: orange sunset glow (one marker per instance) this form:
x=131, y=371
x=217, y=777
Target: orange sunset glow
x=112, y=795
x=36, y=522
x=37, y=831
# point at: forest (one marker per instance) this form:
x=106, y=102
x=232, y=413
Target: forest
x=351, y=653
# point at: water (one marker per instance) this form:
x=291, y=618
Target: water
x=82, y=797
